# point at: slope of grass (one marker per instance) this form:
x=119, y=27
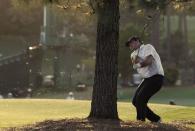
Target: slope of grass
x=181, y=95
x=18, y=112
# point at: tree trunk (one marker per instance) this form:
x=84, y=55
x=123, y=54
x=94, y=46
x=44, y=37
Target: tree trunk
x=155, y=34
x=56, y=67
x=180, y=23
x=184, y=40
x=168, y=43
x=104, y=99
x=185, y=32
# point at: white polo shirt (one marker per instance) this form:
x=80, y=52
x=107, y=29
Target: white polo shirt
x=155, y=67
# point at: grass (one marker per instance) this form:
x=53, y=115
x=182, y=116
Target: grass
x=18, y=112
x=181, y=95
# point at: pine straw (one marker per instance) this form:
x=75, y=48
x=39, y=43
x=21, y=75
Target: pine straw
x=102, y=125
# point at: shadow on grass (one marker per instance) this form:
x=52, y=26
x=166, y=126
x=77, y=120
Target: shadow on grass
x=100, y=125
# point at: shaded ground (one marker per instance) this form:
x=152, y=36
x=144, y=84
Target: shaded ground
x=103, y=125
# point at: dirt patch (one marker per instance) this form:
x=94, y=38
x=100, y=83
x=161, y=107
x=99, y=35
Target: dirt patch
x=186, y=122
x=101, y=125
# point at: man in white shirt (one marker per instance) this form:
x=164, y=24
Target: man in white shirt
x=147, y=62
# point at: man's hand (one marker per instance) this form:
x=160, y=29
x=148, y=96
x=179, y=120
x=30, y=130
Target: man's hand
x=136, y=60
x=135, y=66
x=143, y=63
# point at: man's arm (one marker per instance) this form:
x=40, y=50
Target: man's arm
x=147, y=61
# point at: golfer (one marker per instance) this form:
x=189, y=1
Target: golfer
x=147, y=62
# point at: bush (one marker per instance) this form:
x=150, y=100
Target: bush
x=171, y=76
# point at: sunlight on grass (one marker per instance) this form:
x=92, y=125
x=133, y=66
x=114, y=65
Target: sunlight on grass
x=18, y=112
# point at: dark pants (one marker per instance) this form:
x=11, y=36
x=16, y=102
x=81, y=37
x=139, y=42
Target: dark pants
x=142, y=95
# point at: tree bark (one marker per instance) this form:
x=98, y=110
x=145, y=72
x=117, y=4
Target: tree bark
x=104, y=97
x=185, y=39
x=155, y=34
x=168, y=43
x=185, y=33
x=180, y=23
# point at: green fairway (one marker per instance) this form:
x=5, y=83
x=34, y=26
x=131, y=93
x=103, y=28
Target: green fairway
x=18, y=112
x=184, y=96
x=181, y=95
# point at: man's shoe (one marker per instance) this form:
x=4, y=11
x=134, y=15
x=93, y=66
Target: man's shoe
x=159, y=121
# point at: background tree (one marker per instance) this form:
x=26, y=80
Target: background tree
x=18, y=26
x=153, y=9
